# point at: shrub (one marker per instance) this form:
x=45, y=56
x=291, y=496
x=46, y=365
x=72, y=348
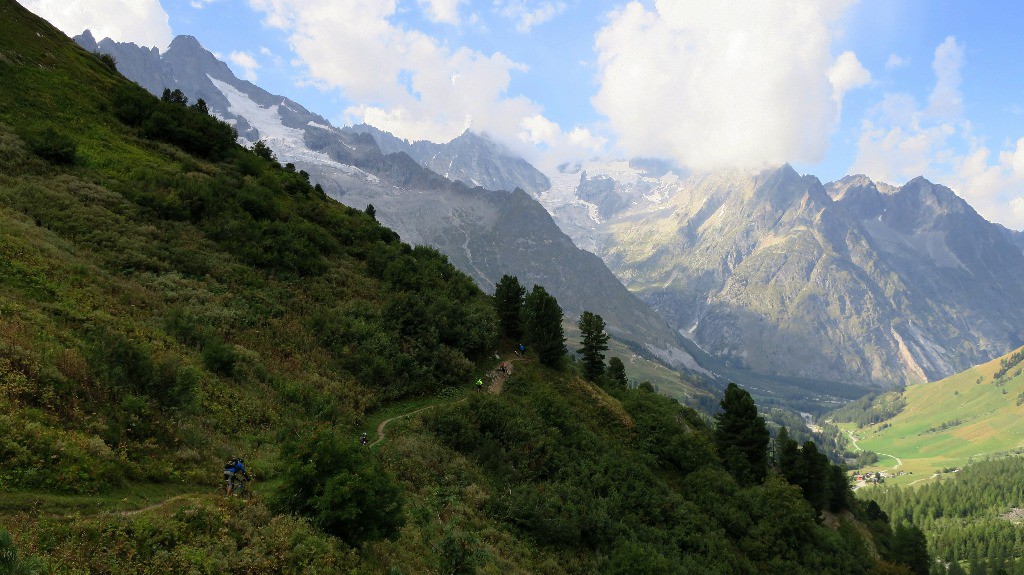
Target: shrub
x=53, y=146
x=11, y=563
x=337, y=484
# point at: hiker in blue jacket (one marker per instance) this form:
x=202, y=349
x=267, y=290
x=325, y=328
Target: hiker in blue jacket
x=231, y=470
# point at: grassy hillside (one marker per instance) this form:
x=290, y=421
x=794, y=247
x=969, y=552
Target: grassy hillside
x=944, y=424
x=169, y=299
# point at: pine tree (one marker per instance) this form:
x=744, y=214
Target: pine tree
x=814, y=481
x=543, y=326
x=595, y=342
x=742, y=437
x=508, y=302
x=787, y=455
x=616, y=375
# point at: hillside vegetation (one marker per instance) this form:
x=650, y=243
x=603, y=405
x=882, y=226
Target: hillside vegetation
x=169, y=299
x=945, y=424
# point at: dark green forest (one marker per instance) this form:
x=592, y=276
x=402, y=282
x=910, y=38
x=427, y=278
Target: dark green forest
x=970, y=518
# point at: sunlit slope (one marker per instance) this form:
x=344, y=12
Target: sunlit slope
x=946, y=423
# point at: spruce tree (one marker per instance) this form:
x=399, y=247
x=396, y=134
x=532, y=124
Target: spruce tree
x=787, y=455
x=595, y=342
x=616, y=376
x=742, y=437
x=508, y=302
x=543, y=326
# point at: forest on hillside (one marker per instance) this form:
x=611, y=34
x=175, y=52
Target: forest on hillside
x=972, y=519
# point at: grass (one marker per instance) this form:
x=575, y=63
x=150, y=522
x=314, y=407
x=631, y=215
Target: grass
x=949, y=423
x=130, y=497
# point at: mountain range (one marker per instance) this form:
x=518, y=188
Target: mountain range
x=770, y=275
x=484, y=232
x=774, y=272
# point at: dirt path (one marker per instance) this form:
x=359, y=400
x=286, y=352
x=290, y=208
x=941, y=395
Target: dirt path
x=383, y=424
x=496, y=378
x=156, y=505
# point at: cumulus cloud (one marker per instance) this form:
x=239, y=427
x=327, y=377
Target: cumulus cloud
x=946, y=99
x=901, y=139
x=143, y=22
x=444, y=11
x=246, y=62
x=526, y=14
x=846, y=74
x=720, y=85
x=403, y=80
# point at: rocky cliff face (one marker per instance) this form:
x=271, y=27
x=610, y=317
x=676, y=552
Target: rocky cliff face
x=854, y=281
x=471, y=159
x=484, y=233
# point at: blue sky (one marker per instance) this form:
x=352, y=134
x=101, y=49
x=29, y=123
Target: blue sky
x=890, y=88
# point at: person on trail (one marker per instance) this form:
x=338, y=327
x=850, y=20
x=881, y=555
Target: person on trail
x=522, y=349
x=231, y=470
x=479, y=384
x=363, y=439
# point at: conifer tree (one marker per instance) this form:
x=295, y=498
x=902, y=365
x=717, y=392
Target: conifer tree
x=508, y=302
x=787, y=455
x=742, y=437
x=616, y=375
x=543, y=326
x=595, y=343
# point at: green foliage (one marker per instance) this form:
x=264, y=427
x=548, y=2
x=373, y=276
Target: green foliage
x=909, y=547
x=1008, y=363
x=262, y=150
x=616, y=375
x=11, y=563
x=741, y=436
x=871, y=409
x=336, y=483
x=170, y=120
x=593, y=346
x=53, y=146
x=542, y=326
x=962, y=517
x=508, y=301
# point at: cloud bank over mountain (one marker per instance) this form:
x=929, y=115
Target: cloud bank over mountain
x=712, y=87
x=143, y=22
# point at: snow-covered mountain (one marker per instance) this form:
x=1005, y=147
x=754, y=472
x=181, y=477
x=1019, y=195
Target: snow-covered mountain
x=855, y=281
x=471, y=159
x=485, y=233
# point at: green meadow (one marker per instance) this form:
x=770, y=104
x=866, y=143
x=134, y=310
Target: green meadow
x=949, y=423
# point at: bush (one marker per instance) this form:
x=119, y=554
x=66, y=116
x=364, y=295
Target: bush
x=53, y=146
x=11, y=563
x=337, y=484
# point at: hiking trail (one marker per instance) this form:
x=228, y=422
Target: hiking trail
x=496, y=378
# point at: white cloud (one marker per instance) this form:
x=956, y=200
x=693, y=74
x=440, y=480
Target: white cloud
x=526, y=14
x=402, y=80
x=246, y=62
x=846, y=74
x=895, y=61
x=946, y=99
x=719, y=85
x=143, y=22
x=444, y=11
x=901, y=139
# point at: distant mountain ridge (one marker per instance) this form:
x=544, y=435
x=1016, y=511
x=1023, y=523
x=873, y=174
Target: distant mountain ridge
x=469, y=158
x=851, y=281
x=484, y=233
